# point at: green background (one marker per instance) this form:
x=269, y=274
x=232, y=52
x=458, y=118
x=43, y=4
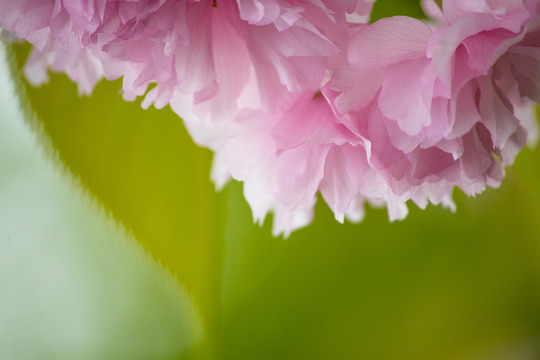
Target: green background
x=438, y=285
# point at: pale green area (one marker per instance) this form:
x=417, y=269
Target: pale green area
x=437, y=285
x=74, y=284
x=385, y=8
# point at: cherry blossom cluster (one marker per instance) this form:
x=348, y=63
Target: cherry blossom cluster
x=300, y=97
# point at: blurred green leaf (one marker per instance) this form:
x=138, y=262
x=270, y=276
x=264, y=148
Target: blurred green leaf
x=74, y=284
x=148, y=173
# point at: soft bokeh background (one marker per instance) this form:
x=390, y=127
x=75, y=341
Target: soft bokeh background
x=114, y=244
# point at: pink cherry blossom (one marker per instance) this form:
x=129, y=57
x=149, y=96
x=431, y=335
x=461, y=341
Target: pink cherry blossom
x=209, y=59
x=296, y=100
x=391, y=128
x=186, y=46
x=284, y=159
x=442, y=107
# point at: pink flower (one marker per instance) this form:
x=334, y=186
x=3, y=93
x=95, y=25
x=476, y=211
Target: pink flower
x=79, y=64
x=285, y=158
x=188, y=47
x=395, y=131
x=408, y=110
x=210, y=63
x=442, y=107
